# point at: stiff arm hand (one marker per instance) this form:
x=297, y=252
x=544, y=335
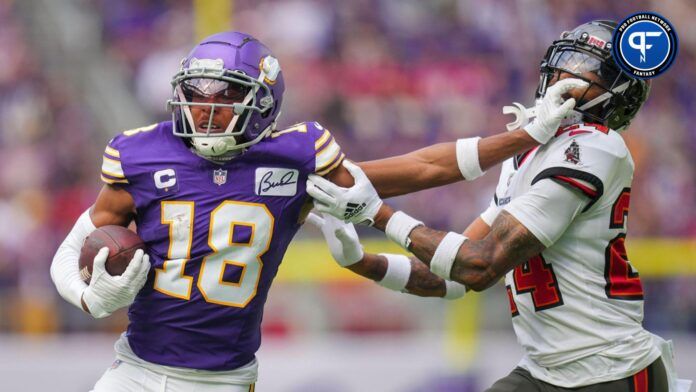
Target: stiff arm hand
x=343, y=240
x=393, y=271
x=551, y=110
x=357, y=204
x=436, y=165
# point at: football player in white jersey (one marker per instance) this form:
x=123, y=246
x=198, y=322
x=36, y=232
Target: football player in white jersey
x=555, y=231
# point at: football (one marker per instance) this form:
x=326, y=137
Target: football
x=122, y=244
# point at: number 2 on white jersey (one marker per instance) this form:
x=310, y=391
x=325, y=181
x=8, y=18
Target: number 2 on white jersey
x=171, y=279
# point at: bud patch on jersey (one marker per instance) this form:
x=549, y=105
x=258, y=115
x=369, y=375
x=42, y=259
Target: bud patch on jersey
x=272, y=181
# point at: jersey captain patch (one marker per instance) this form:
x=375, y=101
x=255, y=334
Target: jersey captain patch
x=165, y=181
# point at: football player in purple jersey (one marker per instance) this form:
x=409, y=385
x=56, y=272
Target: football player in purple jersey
x=217, y=194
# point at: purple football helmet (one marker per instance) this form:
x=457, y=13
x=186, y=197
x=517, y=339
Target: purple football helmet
x=228, y=75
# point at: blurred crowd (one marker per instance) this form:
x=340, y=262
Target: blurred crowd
x=390, y=76
x=386, y=76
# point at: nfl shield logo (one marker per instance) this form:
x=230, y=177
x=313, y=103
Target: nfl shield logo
x=219, y=176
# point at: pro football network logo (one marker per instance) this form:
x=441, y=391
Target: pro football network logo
x=645, y=45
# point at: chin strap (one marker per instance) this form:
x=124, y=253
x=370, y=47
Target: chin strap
x=618, y=89
x=239, y=148
x=220, y=159
x=573, y=117
x=214, y=146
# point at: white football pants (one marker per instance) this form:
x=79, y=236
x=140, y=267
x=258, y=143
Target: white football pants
x=126, y=377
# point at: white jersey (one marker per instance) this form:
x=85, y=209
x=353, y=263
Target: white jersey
x=577, y=308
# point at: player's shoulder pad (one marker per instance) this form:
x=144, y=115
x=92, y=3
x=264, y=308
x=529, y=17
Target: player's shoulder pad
x=326, y=152
x=131, y=138
x=310, y=130
x=120, y=147
x=595, y=137
x=583, y=157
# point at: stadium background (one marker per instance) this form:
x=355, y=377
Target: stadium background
x=387, y=77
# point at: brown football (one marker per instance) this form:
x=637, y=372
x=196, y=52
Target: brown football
x=122, y=244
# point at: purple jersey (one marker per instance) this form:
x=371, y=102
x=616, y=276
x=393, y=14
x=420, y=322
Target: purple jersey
x=216, y=235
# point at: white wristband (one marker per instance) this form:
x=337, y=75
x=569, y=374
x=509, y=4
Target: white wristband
x=468, y=158
x=490, y=214
x=399, y=226
x=398, y=272
x=446, y=252
x=454, y=290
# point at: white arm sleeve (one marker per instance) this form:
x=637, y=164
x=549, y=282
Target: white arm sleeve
x=547, y=209
x=506, y=172
x=64, y=268
x=490, y=214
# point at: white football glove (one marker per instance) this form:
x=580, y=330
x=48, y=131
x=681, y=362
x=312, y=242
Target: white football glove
x=551, y=110
x=341, y=237
x=358, y=204
x=105, y=293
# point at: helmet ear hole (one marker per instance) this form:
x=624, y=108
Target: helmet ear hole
x=242, y=120
x=273, y=111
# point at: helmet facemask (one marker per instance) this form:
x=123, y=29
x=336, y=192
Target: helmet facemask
x=612, y=98
x=212, y=107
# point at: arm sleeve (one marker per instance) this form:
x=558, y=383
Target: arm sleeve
x=586, y=162
x=547, y=209
x=65, y=268
x=490, y=213
x=494, y=208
